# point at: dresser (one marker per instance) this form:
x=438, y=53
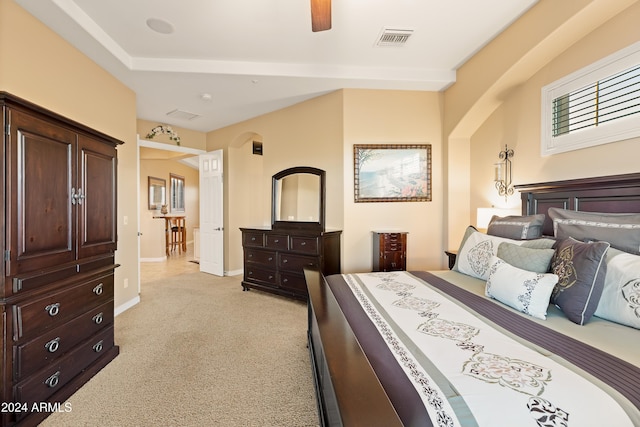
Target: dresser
x=274, y=258
x=389, y=250
x=59, y=231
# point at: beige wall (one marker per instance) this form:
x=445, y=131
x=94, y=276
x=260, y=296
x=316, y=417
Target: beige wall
x=483, y=114
x=307, y=134
x=393, y=117
x=41, y=67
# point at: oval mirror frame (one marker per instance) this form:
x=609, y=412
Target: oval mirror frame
x=276, y=199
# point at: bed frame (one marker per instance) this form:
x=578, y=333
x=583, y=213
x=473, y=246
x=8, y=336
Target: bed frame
x=348, y=391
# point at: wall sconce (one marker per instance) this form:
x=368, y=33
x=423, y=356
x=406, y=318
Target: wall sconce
x=503, y=181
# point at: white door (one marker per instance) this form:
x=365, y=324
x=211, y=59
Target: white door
x=211, y=214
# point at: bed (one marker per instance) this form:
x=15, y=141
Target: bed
x=464, y=347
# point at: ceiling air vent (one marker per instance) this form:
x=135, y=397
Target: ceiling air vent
x=393, y=37
x=181, y=114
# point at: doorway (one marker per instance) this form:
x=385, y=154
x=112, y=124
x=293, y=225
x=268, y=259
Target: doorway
x=163, y=159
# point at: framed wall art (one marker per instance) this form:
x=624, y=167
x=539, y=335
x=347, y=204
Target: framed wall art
x=392, y=172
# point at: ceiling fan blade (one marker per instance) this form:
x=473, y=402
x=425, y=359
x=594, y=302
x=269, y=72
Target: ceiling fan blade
x=320, y=15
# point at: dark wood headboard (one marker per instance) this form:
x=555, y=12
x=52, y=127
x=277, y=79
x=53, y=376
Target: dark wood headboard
x=612, y=194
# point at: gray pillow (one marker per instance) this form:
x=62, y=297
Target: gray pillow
x=622, y=231
x=516, y=227
x=529, y=259
x=581, y=270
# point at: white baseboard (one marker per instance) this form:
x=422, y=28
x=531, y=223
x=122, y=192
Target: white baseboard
x=127, y=305
x=233, y=272
x=163, y=259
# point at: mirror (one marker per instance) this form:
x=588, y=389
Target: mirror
x=298, y=196
x=157, y=193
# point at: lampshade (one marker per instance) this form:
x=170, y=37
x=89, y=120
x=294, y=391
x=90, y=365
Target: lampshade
x=484, y=215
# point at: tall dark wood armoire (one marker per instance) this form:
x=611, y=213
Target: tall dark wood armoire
x=59, y=232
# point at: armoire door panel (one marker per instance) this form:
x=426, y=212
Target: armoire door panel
x=97, y=203
x=43, y=213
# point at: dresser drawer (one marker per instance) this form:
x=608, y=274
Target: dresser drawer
x=296, y=263
x=252, y=238
x=307, y=245
x=259, y=275
x=55, y=309
x=293, y=282
x=43, y=384
x=277, y=241
x=37, y=353
x=264, y=258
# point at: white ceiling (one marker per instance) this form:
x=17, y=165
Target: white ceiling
x=257, y=56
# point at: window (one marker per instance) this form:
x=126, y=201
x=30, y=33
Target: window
x=177, y=193
x=596, y=105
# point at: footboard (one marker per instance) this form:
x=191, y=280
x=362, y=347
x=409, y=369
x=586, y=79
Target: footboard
x=347, y=389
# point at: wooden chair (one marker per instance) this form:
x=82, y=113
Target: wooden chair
x=178, y=234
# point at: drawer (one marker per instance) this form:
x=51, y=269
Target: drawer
x=37, y=353
x=296, y=263
x=264, y=258
x=259, y=275
x=293, y=282
x=277, y=241
x=34, y=317
x=43, y=384
x=250, y=238
x=308, y=245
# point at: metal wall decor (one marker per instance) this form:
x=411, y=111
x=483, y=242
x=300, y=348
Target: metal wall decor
x=504, y=183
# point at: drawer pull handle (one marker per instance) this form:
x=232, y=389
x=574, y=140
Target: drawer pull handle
x=250, y=255
x=98, y=318
x=53, y=345
x=53, y=380
x=270, y=258
x=97, y=347
x=53, y=309
x=253, y=239
x=276, y=241
x=285, y=280
x=284, y=261
x=98, y=289
x=303, y=243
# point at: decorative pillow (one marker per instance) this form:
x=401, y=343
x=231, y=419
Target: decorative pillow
x=536, y=260
x=476, y=250
x=581, y=270
x=622, y=231
x=523, y=290
x=620, y=300
x=516, y=227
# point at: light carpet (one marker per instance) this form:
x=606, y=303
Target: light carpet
x=197, y=351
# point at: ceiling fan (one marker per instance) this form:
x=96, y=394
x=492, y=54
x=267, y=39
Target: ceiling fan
x=320, y=15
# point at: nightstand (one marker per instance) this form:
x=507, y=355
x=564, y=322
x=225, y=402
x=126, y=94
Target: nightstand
x=452, y=258
x=389, y=250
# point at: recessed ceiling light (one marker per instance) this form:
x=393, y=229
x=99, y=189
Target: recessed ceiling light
x=160, y=26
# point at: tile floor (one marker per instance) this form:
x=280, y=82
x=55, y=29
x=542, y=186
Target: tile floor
x=176, y=263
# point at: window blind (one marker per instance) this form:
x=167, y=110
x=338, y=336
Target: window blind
x=612, y=98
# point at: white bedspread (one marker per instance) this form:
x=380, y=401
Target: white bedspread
x=466, y=372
